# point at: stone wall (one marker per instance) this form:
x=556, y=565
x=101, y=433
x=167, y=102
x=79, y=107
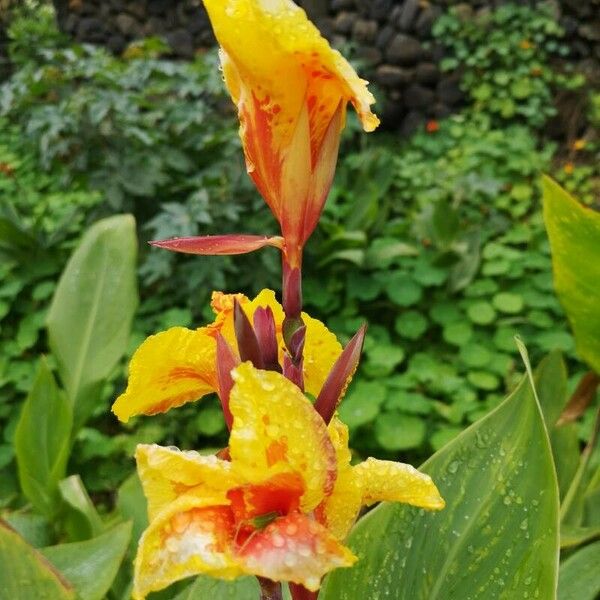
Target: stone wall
x=391, y=38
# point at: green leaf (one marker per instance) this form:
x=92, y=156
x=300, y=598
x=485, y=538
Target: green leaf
x=579, y=577
x=90, y=317
x=132, y=504
x=574, y=233
x=458, y=333
x=508, y=303
x=245, y=588
x=481, y=313
x=25, y=574
x=496, y=538
x=396, y=431
x=91, y=566
x=411, y=324
x=82, y=519
x=402, y=289
x=362, y=403
x=43, y=441
x=551, y=385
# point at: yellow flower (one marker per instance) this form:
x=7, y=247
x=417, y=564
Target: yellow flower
x=291, y=90
x=179, y=365
x=279, y=509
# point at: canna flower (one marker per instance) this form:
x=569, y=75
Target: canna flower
x=179, y=365
x=279, y=509
x=291, y=90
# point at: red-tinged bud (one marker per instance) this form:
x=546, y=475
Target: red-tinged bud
x=264, y=327
x=337, y=381
x=246, y=338
x=292, y=291
x=226, y=362
x=296, y=345
x=293, y=371
x=219, y=244
x=299, y=592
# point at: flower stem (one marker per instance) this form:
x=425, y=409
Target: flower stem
x=269, y=590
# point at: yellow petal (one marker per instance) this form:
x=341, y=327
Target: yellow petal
x=294, y=548
x=276, y=430
x=168, y=370
x=191, y=536
x=321, y=350
x=167, y=474
x=383, y=480
x=339, y=511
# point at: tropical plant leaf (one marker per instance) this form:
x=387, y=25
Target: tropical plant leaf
x=90, y=317
x=91, y=566
x=496, y=538
x=25, y=574
x=43, y=441
x=579, y=577
x=574, y=233
x=246, y=588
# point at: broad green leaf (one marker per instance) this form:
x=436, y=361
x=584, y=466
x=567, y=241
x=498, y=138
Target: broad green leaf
x=574, y=233
x=245, y=588
x=580, y=576
x=496, y=538
x=551, y=386
x=91, y=566
x=25, y=574
x=32, y=527
x=43, y=440
x=133, y=506
x=90, y=317
x=81, y=519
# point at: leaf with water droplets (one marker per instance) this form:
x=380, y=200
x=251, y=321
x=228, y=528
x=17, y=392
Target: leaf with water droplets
x=496, y=538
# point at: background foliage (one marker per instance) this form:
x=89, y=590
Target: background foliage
x=438, y=241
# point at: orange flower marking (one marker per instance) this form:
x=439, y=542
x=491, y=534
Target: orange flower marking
x=432, y=126
x=279, y=509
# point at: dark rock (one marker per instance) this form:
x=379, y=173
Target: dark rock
x=70, y=24
x=440, y=111
x=448, y=90
x=408, y=16
x=137, y=9
x=158, y=7
x=429, y=15
x=395, y=14
x=590, y=31
x=464, y=11
x=569, y=24
x=411, y=122
x=89, y=28
x=404, y=50
x=437, y=52
x=381, y=9
x=128, y=26
x=364, y=32
x=337, y=5
x=370, y=55
x=314, y=8
x=392, y=76
x=384, y=36
x=363, y=7
x=427, y=73
x=417, y=96
x=325, y=26
x=343, y=22
x=197, y=23
x=181, y=42
x=116, y=43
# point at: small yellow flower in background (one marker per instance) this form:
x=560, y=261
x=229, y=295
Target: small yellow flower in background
x=525, y=45
x=279, y=509
x=578, y=145
x=291, y=90
x=179, y=365
x=569, y=168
